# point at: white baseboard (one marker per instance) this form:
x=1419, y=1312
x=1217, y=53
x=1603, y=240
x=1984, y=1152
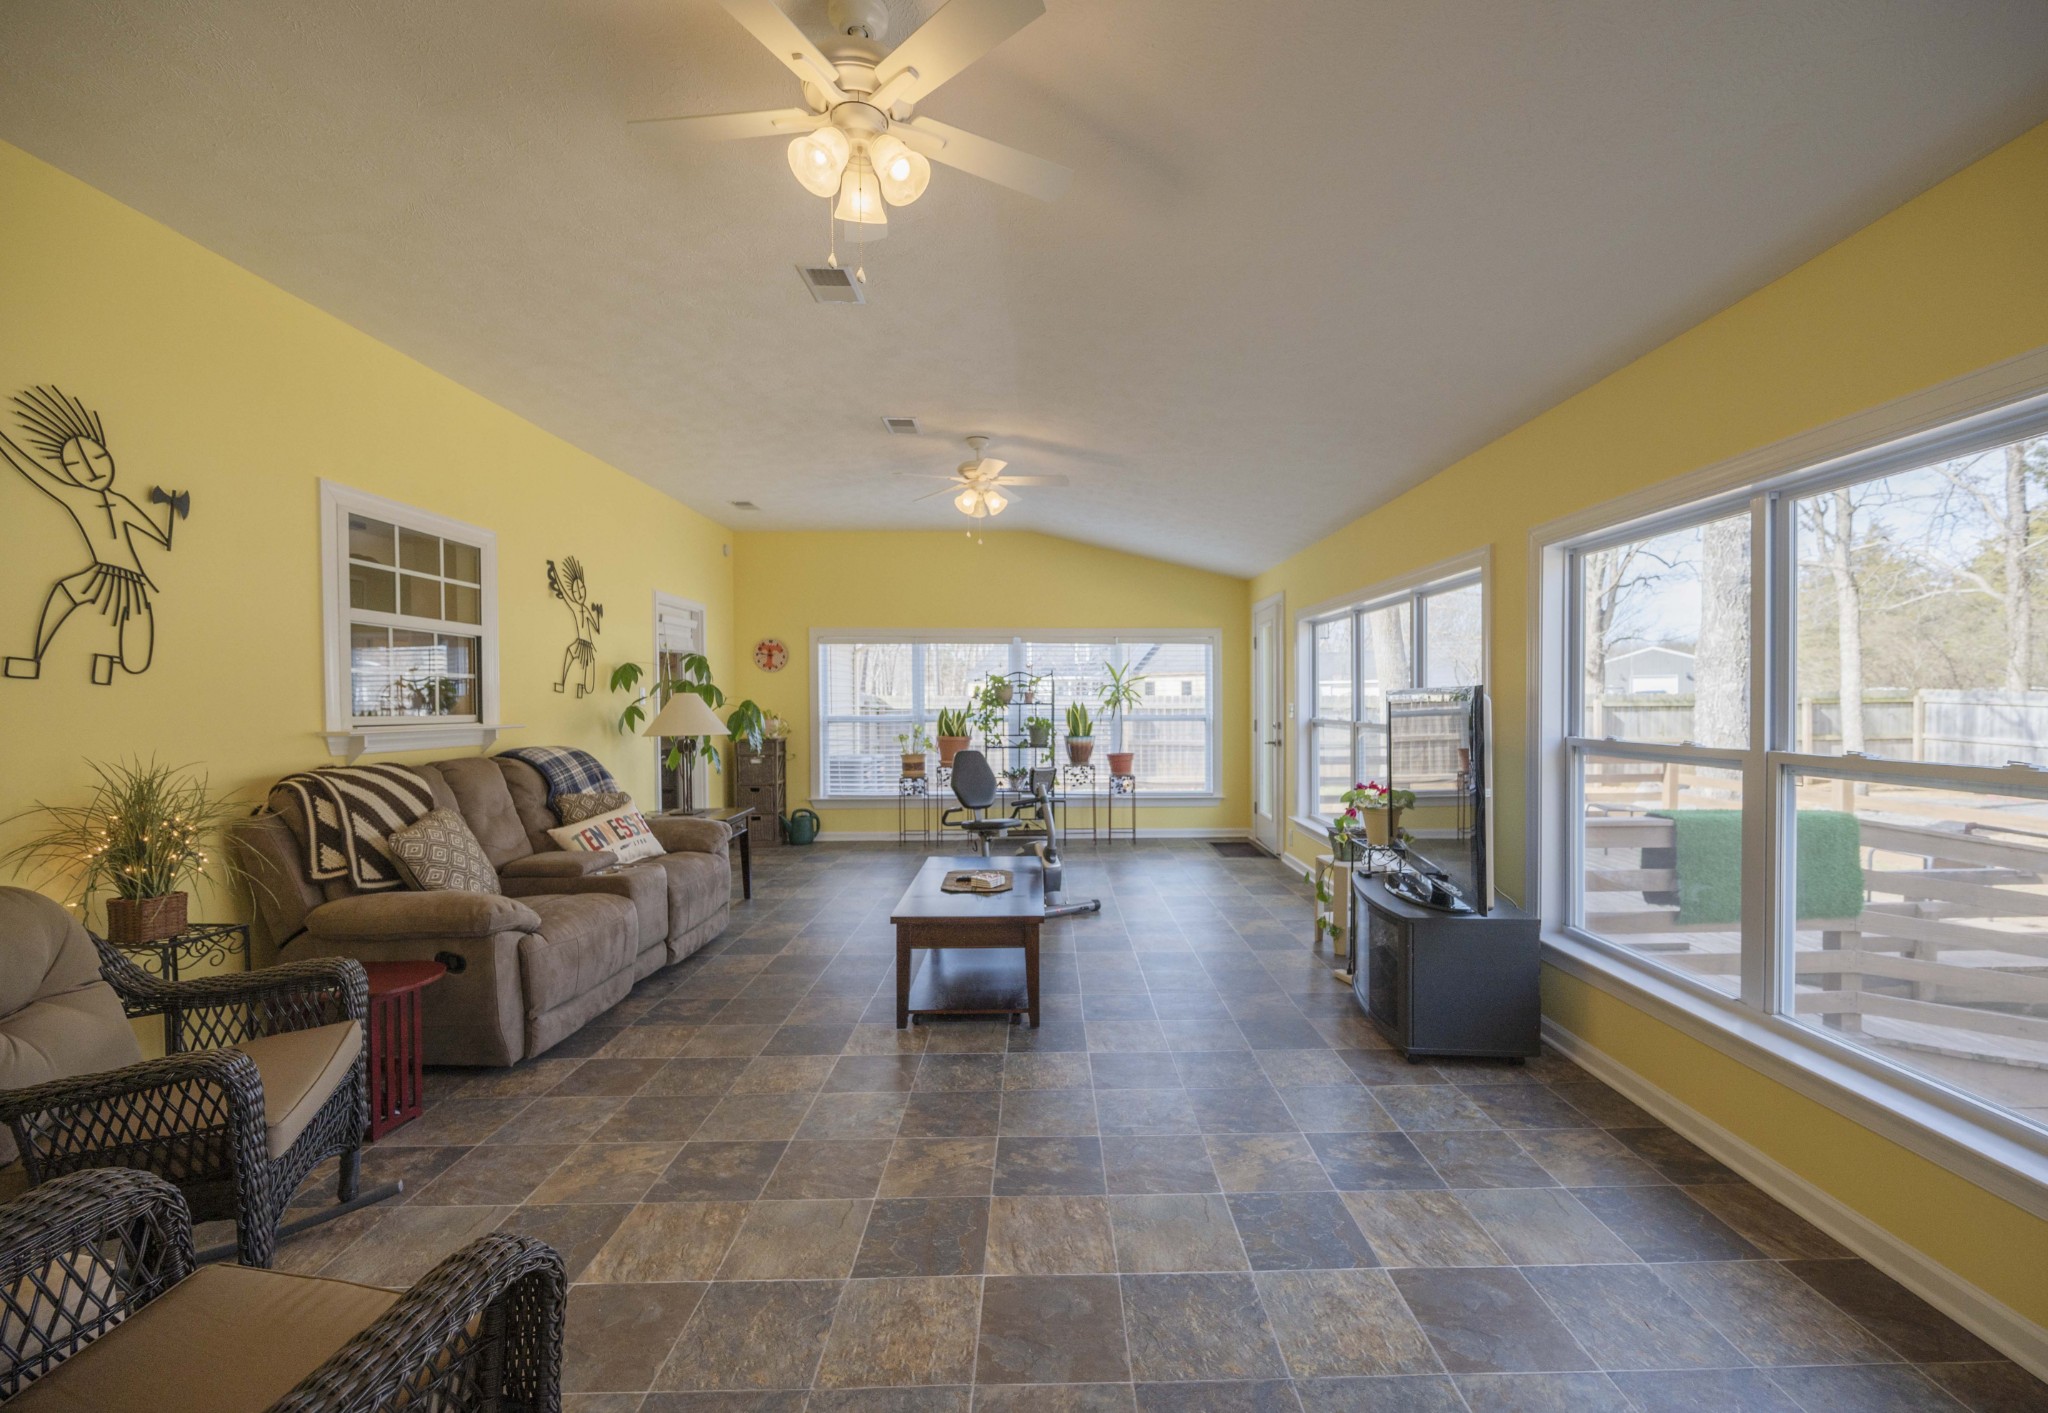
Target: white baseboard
x=829, y=835
x=1985, y=1316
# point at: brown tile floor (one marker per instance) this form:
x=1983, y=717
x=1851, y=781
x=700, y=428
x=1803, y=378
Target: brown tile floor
x=1202, y=1184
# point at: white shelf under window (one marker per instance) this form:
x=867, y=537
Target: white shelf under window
x=353, y=742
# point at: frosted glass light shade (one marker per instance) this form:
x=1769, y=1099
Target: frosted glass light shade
x=904, y=174
x=995, y=500
x=968, y=502
x=818, y=159
x=860, y=201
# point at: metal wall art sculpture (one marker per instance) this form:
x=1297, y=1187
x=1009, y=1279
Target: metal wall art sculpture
x=68, y=461
x=581, y=655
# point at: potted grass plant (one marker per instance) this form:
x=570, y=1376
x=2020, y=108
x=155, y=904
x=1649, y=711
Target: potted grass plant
x=953, y=736
x=914, y=743
x=146, y=832
x=1119, y=695
x=1080, y=734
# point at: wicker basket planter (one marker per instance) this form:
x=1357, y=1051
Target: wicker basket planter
x=134, y=920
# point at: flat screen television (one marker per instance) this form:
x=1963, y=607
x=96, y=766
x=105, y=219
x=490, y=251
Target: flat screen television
x=1437, y=747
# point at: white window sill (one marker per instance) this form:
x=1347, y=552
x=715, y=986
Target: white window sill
x=352, y=743
x=1998, y=1153
x=1144, y=801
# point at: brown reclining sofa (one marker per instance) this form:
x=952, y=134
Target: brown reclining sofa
x=562, y=944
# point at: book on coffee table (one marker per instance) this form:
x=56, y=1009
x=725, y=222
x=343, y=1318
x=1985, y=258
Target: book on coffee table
x=980, y=880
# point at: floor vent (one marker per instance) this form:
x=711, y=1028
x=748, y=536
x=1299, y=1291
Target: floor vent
x=1238, y=849
x=902, y=426
x=829, y=284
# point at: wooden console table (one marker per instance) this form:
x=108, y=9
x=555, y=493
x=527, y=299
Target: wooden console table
x=971, y=938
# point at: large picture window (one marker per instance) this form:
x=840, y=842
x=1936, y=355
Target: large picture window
x=1431, y=636
x=1802, y=771
x=873, y=689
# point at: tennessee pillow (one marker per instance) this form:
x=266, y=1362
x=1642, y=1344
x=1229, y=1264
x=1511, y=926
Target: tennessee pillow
x=624, y=832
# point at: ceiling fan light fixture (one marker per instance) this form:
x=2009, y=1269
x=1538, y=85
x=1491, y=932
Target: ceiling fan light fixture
x=995, y=500
x=968, y=502
x=819, y=160
x=860, y=202
x=903, y=173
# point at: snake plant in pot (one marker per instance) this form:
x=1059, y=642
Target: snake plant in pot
x=953, y=736
x=1080, y=734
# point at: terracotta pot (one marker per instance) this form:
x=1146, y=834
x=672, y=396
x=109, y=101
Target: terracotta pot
x=913, y=765
x=1380, y=826
x=1120, y=762
x=1080, y=749
x=950, y=746
x=135, y=920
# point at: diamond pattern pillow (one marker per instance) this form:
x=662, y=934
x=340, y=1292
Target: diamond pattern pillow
x=586, y=804
x=439, y=852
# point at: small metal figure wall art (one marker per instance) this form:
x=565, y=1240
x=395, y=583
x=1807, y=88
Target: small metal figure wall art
x=580, y=657
x=66, y=458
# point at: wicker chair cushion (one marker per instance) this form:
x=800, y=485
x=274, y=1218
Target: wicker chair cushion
x=226, y=1339
x=300, y=1070
x=438, y=852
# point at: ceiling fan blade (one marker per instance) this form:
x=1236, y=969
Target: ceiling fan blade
x=958, y=34
x=924, y=476
x=780, y=36
x=1009, y=481
x=941, y=491
x=767, y=122
x=991, y=161
x=988, y=468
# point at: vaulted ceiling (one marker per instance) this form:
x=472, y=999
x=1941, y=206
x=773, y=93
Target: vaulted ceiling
x=1313, y=251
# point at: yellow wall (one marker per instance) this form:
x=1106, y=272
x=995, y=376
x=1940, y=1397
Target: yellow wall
x=1953, y=281
x=789, y=584
x=210, y=380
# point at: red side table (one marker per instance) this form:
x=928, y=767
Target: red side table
x=395, y=1080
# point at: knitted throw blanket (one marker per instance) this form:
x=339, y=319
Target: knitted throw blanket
x=348, y=812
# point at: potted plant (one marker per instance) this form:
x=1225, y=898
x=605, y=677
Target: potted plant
x=694, y=676
x=998, y=690
x=1119, y=695
x=914, y=743
x=952, y=734
x=146, y=832
x=1080, y=734
x=988, y=711
x=1039, y=728
x=1378, y=808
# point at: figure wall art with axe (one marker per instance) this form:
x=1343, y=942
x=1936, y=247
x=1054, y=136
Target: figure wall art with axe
x=66, y=458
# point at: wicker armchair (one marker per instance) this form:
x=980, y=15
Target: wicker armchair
x=104, y=1259
x=197, y=1117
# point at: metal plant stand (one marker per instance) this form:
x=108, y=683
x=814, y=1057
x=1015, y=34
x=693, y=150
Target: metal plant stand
x=913, y=808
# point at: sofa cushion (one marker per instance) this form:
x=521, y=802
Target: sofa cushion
x=584, y=939
x=698, y=886
x=226, y=1339
x=623, y=833
x=413, y=917
x=487, y=808
x=529, y=790
x=438, y=852
x=300, y=1070
x=584, y=804
x=561, y=863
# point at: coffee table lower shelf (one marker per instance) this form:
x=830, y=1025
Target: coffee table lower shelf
x=971, y=981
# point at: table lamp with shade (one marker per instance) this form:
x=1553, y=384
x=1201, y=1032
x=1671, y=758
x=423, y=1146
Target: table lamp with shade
x=689, y=717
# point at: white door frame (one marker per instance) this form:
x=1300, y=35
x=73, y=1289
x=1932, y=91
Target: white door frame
x=1269, y=722
x=673, y=604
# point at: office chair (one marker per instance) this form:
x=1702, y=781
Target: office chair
x=974, y=786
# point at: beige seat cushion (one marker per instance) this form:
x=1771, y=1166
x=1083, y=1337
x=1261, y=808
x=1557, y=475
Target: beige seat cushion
x=300, y=1069
x=226, y=1339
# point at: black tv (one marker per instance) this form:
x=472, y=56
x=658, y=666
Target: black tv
x=1437, y=747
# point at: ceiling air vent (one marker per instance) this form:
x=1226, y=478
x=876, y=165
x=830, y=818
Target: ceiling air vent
x=902, y=426
x=742, y=505
x=829, y=284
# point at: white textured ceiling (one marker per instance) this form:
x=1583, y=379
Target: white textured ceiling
x=1314, y=251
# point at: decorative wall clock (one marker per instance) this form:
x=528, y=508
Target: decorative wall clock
x=770, y=655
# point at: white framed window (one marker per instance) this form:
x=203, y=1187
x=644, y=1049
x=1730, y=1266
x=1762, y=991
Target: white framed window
x=1429, y=631
x=411, y=626
x=1791, y=758
x=873, y=686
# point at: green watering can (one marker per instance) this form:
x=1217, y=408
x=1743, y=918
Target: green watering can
x=802, y=827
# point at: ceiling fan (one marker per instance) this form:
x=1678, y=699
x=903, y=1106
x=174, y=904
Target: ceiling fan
x=858, y=137
x=980, y=482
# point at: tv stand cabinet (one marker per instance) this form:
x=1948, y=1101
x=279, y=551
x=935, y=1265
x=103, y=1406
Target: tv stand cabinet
x=1447, y=984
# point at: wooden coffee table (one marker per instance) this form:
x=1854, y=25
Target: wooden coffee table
x=984, y=947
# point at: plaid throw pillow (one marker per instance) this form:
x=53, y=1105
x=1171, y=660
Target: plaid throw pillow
x=439, y=852
x=586, y=804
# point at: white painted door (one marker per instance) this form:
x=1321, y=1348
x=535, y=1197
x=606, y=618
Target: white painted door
x=1268, y=721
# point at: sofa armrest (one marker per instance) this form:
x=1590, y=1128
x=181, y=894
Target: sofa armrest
x=493, y=1311
x=560, y=863
x=392, y=917
x=681, y=834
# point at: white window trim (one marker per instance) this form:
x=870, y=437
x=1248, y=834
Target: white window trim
x=1156, y=799
x=1473, y=566
x=1955, y=1130
x=345, y=737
